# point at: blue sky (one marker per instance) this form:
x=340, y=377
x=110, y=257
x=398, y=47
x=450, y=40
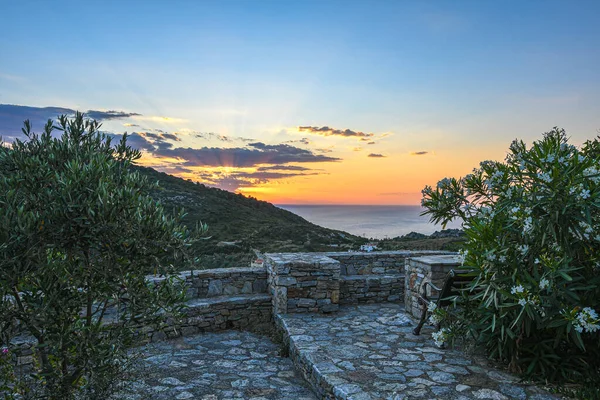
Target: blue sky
x=456, y=81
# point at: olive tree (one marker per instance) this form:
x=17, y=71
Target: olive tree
x=78, y=233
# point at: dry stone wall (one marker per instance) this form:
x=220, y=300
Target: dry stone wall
x=247, y=298
x=303, y=282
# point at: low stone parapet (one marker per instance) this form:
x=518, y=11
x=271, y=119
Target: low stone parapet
x=222, y=281
x=377, y=262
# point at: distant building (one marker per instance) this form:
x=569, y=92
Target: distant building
x=257, y=263
x=368, y=247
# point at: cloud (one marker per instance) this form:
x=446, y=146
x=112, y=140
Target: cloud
x=283, y=168
x=324, y=150
x=148, y=141
x=327, y=131
x=12, y=117
x=371, y=143
x=374, y=155
x=255, y=154
x=108, y=115
x=130, y=125
x=234, y=180
x=419, y=153
x=304, y=141
x=222, y=138
x=357, y=149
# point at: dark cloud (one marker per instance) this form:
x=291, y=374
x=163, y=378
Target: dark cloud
x=304, y=141
x=111, y=114
x=419, y=153
x=374, y=155
x=284, y=168
x=257, y=153
x=371, y=143
x=327, y=131
x=148, y=141
x=12, y=117
x=161, y=136
x=324, y=150
x=222, y=138
x=234, y=180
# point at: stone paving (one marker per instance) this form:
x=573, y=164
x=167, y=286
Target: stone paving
x=216, y=366
x=368, y=352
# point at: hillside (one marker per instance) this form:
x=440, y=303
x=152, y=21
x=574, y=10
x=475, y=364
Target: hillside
x=238, y=224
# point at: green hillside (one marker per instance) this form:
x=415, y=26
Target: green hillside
x=238, y=224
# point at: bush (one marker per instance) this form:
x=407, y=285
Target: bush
x=533, y=241
x=77, y=235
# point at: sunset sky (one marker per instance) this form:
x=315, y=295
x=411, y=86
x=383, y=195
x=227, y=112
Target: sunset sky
x=307, y=102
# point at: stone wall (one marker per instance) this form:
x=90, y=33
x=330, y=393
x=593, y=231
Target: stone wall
x=419, y=269
x=371, y=288
x=218, y=299
x=303, y=282
x=223, y=281
x=363, y=278
x=377, y=262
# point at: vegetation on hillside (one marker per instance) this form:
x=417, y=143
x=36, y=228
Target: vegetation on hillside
x=237, y=224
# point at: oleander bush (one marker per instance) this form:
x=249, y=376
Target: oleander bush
x=533, y=243
x=78, y=233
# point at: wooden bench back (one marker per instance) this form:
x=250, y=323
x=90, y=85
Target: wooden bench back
x=455, y=281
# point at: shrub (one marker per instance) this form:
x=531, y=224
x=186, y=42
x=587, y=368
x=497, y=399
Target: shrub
x=533, y=241
x=77, y=235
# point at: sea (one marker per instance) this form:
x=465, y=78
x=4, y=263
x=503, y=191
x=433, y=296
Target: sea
x=377, y=222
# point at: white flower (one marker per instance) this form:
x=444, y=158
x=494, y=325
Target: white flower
x=544, y=283
x=502, y=259
x=522, y=302
x=491, y=257
x=440, y=337
x=431, y=307
x=517, y=289
x=585, y=194
x=545, y=177
x=527, y=225
x=587, y=320
x=434, y=319
x=523, y=249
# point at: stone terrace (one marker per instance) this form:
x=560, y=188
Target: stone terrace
x=225, y=366
x=368, y=352
x=342, y=321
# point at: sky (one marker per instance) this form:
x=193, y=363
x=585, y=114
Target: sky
x=307, y=102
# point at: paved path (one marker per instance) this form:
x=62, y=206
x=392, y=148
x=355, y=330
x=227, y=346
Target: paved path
x=368, y=352
x=217, y=366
